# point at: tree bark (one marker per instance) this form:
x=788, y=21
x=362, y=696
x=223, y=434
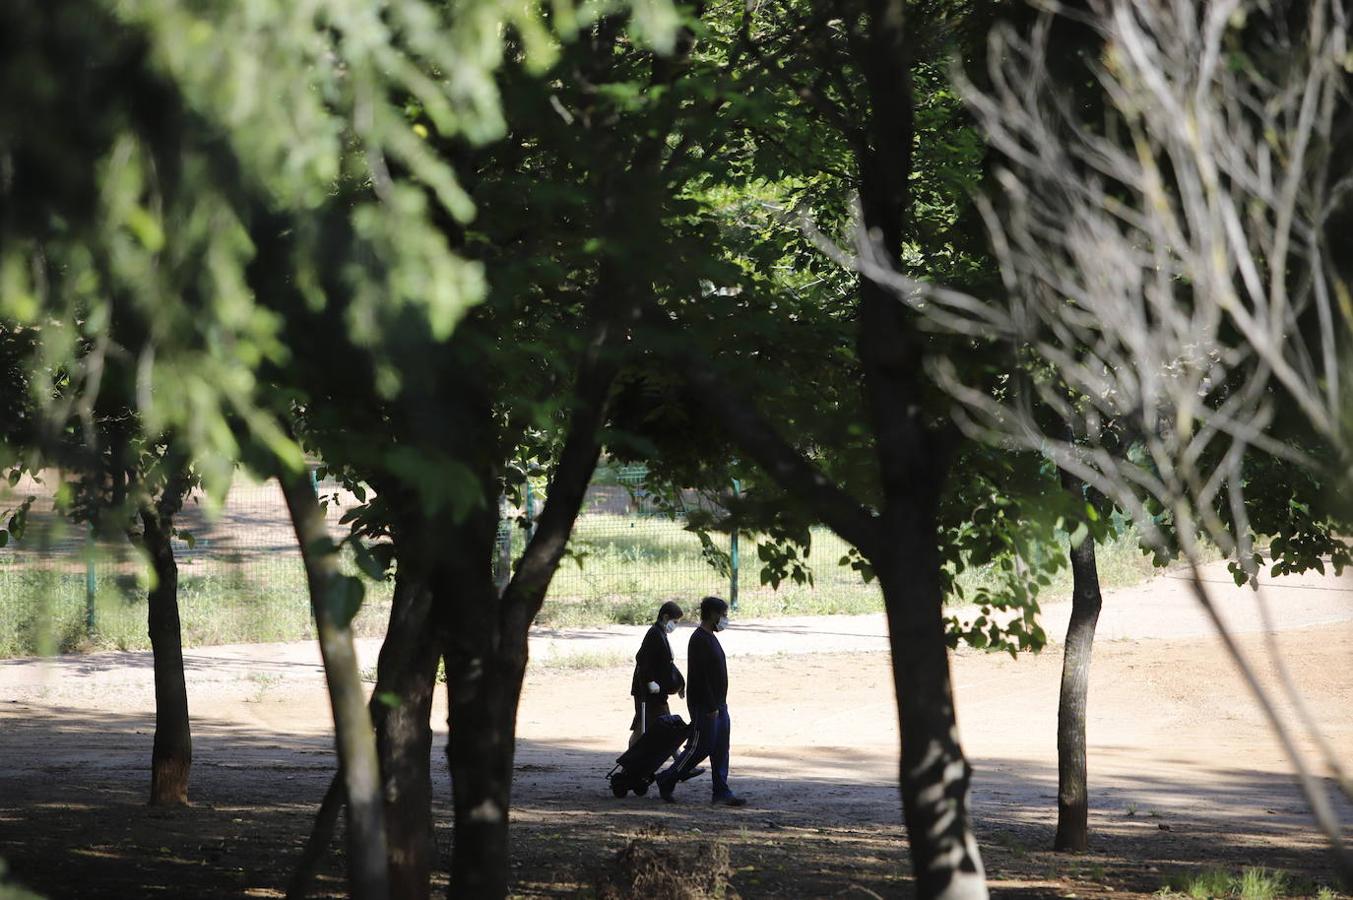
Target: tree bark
x=354, y=735
x=326, y=820
x=401, y=708
x=480, y=752
x=1073, y=831
x=912, y=463
x=487, y=651
x=401, y=711
x=172, y=755
x=933, y=773
x=482, y=688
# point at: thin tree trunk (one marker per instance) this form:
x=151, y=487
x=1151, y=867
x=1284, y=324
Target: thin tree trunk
x=401, y=706
x=172, y=755
x=1073, y=831
x=326, y=820
x=331, y=594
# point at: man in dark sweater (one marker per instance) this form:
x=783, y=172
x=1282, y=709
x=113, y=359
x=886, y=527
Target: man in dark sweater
x=707, y=700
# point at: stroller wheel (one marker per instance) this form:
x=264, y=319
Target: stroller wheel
x=640, y=790
x=618, y=787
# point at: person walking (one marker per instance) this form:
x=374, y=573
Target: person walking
x=707, y=700
x=656, y=676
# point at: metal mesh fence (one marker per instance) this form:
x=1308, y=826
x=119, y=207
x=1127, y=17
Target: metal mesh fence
x=241, y=579
x=627, y=555
x=240, y=576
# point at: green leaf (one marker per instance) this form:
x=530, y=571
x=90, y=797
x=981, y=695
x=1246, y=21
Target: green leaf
x=344, y=599
x=146, y=228
x=367, y=561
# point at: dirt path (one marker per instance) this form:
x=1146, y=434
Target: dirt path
x=1184, y=774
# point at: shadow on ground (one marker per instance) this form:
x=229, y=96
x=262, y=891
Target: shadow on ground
x=73, y=821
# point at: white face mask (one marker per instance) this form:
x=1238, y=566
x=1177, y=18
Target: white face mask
x=669, y=627
x=721, y=624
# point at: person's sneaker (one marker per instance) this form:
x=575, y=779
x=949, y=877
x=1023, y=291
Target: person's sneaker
x=730, y=800
x=698, y=770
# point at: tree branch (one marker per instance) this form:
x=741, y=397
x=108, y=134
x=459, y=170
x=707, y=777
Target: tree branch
x=790, y=469
x=525, y=592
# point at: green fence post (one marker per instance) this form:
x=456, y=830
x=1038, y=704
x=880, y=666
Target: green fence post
x=91, y=584
x=733, y=558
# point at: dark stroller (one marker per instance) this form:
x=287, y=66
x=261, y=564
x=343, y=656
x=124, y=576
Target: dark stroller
x=636, y=767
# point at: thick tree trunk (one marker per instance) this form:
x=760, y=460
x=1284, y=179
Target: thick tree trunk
x=483, y=686
x=353, y=731
x=401, y=706
x=172, y=756
x=934, y=775
x=481, y=752
x=486, y=651
x=1073, y=831
x=912, y=465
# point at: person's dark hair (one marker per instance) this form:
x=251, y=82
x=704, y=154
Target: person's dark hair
x=711, y=605
x=671, y=610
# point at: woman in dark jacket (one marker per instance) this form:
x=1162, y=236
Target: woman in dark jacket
x=656, y=676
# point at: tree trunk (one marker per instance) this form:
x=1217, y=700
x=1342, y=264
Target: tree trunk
x=486, y=651
x=934, y=775
x=401, y=710
x=912, y=465
x=1073, y=831
x=483, y=686
x=331, y=595
x=326, y=820
x=481, y=752
x=401, y=707
x=172, y=756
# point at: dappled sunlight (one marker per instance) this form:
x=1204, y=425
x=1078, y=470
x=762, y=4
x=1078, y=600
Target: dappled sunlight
x=72, y=810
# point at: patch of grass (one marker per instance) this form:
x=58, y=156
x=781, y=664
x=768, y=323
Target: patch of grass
x=11, y=891
x=1011, y=843
x=1262, y=884
x=622, y=568
x=263, y=681
x=43, y=604
x=587, y=659
x=1251, y=883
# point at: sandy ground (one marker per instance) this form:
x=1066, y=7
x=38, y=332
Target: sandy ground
x=1184, y=774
